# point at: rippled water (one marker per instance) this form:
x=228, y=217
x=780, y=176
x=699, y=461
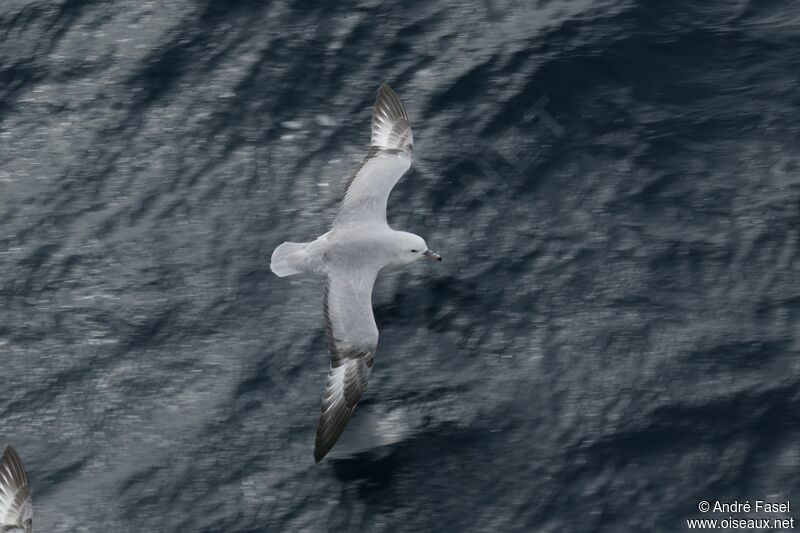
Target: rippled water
x=612, y=337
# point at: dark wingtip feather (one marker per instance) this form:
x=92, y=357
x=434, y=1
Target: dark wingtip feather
x=330, y=427
x=13, y=462
x=16, y=493
x=390, y=124
x=388, y=98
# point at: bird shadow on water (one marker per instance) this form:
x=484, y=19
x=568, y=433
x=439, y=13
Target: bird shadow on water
x=379, y=474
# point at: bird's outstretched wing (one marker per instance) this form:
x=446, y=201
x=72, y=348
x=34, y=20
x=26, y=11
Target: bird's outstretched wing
x=388, y=158
x=352, y=341
x=15, y=495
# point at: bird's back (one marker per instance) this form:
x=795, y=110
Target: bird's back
x=359, y=244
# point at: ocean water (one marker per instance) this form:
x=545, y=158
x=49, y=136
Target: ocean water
x=612, y=337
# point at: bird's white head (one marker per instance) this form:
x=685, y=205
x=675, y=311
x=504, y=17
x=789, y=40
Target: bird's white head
x=410, y=247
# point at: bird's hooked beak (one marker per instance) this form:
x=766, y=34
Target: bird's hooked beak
x=430, y=254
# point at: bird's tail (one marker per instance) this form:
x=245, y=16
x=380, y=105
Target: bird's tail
x=289, y=258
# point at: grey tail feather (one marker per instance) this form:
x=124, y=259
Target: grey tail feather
x=289, y=258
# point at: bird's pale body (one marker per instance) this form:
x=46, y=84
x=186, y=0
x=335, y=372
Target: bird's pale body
x=366, y=245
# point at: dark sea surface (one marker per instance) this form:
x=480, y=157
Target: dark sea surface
x=612, y=337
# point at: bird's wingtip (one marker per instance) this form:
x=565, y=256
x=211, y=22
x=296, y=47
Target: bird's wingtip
x=387, y=91
x=390, y=126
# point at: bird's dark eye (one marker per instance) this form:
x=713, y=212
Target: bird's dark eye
x=413, y=251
